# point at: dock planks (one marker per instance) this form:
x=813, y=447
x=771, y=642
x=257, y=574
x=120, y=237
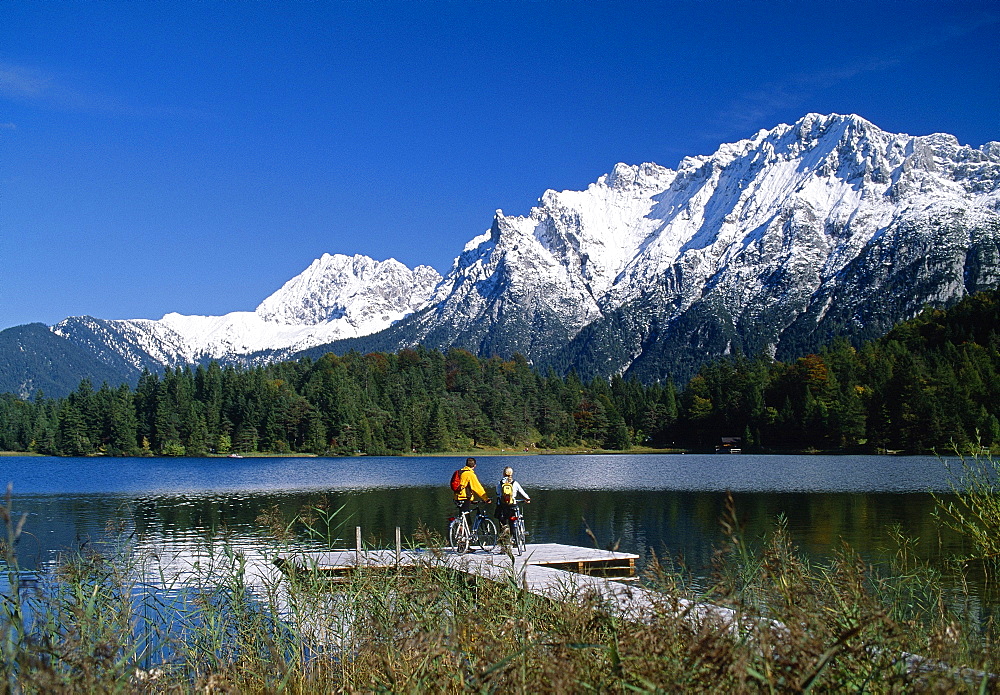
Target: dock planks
x=563, y=557
x=555, y=571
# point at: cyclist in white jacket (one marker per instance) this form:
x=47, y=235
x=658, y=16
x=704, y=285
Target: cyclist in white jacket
x=509, y=494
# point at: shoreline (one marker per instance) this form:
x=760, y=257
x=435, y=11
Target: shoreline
x=501, y=452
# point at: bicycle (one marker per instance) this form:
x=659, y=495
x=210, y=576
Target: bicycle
x=515, y=532
x=482, y=532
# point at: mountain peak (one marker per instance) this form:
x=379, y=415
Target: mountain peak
x=769, y=241
x=631, y=176
x=335, y=284
x=776, y=243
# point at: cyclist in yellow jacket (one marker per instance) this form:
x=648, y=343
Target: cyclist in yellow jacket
x=470, y=487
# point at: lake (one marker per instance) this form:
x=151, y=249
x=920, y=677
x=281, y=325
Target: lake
x=664, y=504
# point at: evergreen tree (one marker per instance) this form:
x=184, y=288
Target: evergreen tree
x=72, y=439
x=932, y=382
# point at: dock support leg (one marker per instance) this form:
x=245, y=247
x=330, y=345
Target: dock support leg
x=357, y=555
x=399, y=546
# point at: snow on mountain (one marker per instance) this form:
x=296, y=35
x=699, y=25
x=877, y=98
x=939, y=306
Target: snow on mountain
x=356, y=293
x=336, y=297
x=765, y=237
x=779, y=242
x=803, y=202
x=531, y=283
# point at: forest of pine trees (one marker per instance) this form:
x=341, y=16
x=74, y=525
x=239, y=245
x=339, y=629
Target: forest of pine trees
x=930, y=383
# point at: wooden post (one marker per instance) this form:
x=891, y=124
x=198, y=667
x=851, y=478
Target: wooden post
x=399, y=546
x=357, y=531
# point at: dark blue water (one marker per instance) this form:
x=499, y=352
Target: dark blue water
x=171, y=514
x=676, y=472
x=664, y=504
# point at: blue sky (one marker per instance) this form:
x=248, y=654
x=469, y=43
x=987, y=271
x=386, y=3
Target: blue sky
x=193, y=156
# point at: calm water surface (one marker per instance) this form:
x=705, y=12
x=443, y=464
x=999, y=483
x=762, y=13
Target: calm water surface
x=174, y=512
x=664, y=504
x=690, y=472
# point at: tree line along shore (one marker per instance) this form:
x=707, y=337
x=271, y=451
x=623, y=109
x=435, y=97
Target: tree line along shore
x=930, y=383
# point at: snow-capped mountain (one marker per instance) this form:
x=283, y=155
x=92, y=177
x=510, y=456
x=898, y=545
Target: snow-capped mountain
x=776, y=243
x=336, y=297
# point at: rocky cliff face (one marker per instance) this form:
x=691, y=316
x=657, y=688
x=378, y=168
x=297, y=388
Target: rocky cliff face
x=776, y=243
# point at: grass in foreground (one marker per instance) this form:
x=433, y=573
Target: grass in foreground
x=96, y=624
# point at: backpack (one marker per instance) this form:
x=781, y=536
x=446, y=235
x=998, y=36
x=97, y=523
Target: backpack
x=507, y=492
x=456, y=480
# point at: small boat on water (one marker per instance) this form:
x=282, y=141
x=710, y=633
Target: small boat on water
x=235, y=456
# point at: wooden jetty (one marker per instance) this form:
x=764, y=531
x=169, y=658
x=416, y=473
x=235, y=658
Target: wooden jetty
x=555, y=571
x=552, y=555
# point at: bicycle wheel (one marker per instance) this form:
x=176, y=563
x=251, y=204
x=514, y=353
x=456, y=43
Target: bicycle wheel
x=486, y=534
x=458, y=536
x=519, y=528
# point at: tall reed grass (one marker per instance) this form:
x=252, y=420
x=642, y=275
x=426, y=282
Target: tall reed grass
x=116, y=622
x=973, y=509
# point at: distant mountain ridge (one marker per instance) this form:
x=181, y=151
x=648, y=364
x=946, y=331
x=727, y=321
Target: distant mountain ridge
x=34, y=360
x=777, y=243
x=336, y=297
